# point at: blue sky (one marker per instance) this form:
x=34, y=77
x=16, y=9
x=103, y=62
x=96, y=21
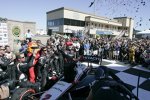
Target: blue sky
x=35, y=10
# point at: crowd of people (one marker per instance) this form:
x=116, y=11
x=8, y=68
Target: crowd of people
x=125, y=50
x=34, y=61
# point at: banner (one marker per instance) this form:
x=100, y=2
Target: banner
x=91, y=58
x=3, y=34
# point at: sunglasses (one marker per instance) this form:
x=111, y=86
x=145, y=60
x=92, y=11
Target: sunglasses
x=34, y=47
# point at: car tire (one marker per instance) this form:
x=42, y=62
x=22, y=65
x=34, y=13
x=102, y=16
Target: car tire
x=22, y=93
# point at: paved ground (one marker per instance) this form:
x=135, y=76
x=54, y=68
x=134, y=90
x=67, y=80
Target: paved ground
x=130, y=75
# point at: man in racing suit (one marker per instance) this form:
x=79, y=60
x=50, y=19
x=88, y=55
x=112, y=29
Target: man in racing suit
x=33, y=49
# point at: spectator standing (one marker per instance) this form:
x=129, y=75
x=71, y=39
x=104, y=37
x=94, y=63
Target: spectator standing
x=132, y=54
x=8, y=53
x=28, y=36
x=87, y=48
x=76, y=44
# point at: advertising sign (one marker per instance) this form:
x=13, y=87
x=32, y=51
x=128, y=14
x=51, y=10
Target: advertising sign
x=54, y=29
x=56, y=91
x=3, y=34
x=16, y=31
x=91, y=58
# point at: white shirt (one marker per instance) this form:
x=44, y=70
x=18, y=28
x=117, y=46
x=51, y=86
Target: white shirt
x=9, y=55
x=77, y=45
x=29, y=35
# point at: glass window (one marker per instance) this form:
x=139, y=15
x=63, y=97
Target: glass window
x=82, y=23
x=50, y=23
x=87, y=23
x=55, y=22
x=78, y=23
x=95, y=25
x=119, y=28
x=61, y=21
x=73, y=22
x=66, y=21
x=107, y=26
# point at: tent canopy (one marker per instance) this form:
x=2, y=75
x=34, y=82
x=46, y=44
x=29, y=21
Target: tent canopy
x=144, y=32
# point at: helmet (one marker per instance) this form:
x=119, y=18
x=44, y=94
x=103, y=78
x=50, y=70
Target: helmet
x=31, y=46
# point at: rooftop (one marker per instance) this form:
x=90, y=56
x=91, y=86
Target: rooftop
x=63, y=8
x=21, y=21
x=88, y=14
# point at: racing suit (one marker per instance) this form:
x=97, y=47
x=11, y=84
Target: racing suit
x=32, y=75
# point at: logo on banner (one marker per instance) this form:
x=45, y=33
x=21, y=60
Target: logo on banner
x=16, y=31
x=91, y=58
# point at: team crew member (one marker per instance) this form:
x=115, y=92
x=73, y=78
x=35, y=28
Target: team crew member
x=132, y=54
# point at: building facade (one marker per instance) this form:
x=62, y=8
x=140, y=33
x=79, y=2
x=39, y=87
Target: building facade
x=12, y=31
x=41, y=32
x=64, y=20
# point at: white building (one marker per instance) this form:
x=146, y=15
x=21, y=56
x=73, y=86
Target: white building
x=12, y=31
x=64, y=20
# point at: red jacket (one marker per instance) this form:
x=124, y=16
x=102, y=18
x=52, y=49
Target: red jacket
x=32, y=76
x=68, y=43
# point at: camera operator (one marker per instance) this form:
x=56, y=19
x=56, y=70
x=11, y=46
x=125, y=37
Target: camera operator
x=7, y=68
x=4, y=62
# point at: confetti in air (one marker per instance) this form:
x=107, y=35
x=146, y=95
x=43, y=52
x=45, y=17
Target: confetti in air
x=122, y=8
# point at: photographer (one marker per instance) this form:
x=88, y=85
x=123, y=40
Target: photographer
x=4, y=62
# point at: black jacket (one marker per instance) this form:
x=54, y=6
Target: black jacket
x=23, y=67
x=4, y=62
